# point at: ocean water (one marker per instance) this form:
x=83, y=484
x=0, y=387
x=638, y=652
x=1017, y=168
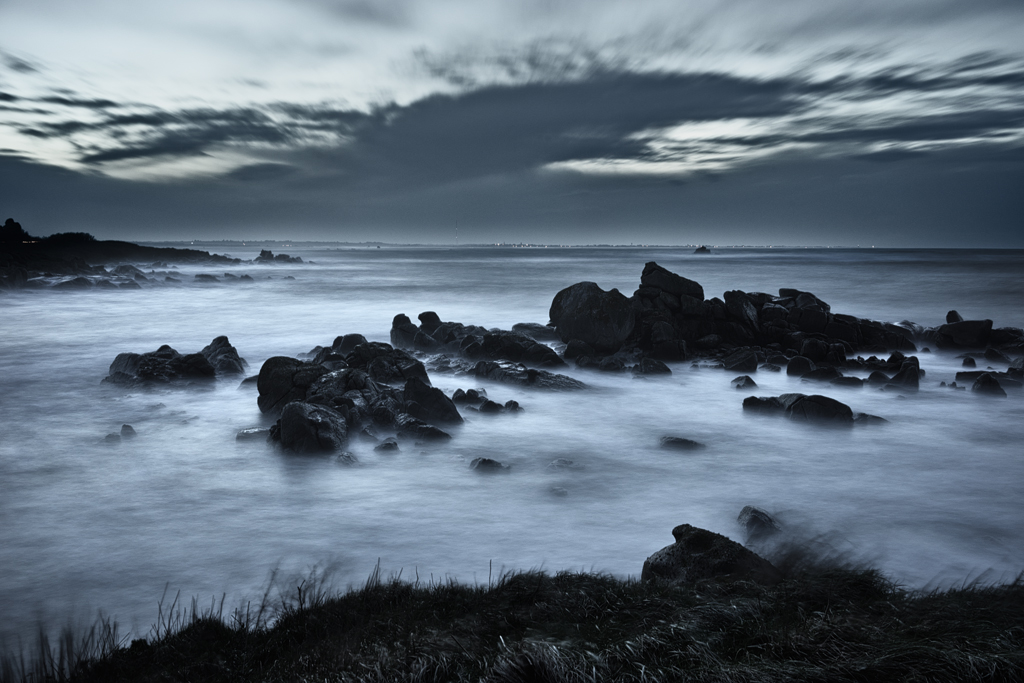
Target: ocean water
x=933, y=498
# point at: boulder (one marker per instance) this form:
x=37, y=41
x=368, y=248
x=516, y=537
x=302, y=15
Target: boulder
x=799, y=366
x=954, y=317
x=159, y=367
x=651, y=366
x=489, y=466
x=988, y=386
x=801, y=407
x=536, y=331
x=576, y=348
x=407, y=425
x=655, y=276
x=283, y=380
x=312, y=428
x=744, y=382
x=128, y=432
x=384, y=363
x=429, y=403
x=406, y=335
x=742, y=360
x=969, y=362
x=514, y=373
x=224, y=357
x=700, y=555
x=972, y=334
x=584, y=311
x=252, y=434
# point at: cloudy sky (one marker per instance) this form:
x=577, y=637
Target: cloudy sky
x=708, y=121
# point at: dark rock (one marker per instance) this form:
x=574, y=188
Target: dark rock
x=389, y=444
x=611, y=364
x=489, y=406
x=866, y=419
x=966, y=334
x=128, y=432
x=405, y=335
x=650, y=366
x=105, y=284
x=407, y=425
x=878, y=378
x=473, y=396
x=312, y=428
x=815, y=408
x=814, y=349
x=514, y=373
x=347, y=343
x=758, y=524
x=224, y=357
x=159, y=367
x=536, y=331
x=283, y=380
x=908, y=377
x=799, y=366
x=954, y=317
x=429, y=403
x=429, y=321
x=744, y=382
x=743, y=360
x=854, y=382
x=701, y=555
x=113, y=437
x=769, y=367
x=513, y=406
x=996, y=356
x=586, y=312
x=76, y=283
x=385, y=363
x=822, y=374
x=988, y=385
x=678, y=443
x=204, y=277
x=345, y=457
x=576, y=348
x=762, y=404
x=969, y=363
x=702, y=250
x=252, y=434
x=655, y=276
x=488, y=466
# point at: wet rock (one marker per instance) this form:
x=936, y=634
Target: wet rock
x=489, y=466
x=128, y=432
x=965, y=334
x=878, y=378
x=345, y=457
x=472, y=397
x=799, y=366
x=406, y=335
x=224, y=357
x=744, y=382
x=429, y=403
x=536, y=331
x=388, y=445
x=757, y=524
x=513, y=406
x=655, y=276
x=611, y=364
x=702, y=250
x=407, y=425
x=384, y=363
x=988, y=385
x=252, y=434
x=821, y=374
x=853, y=382
x=514, y=373
x=113, y=437
x=651, y=366
x=489, y=406
x=802, y=407
x=584, y=311
x=743, y=360
x=268, y=257
x=700, y=555
x=563, y=464
x=954, y=317
x=576, y=349
x=162, y=366
x=770, y=367
x=969, y=363
x=678, y=443
x=996, y=356
x=312, y=428
x=283, y=380
x=429, y=321
x=345, y=344
x=205, y=277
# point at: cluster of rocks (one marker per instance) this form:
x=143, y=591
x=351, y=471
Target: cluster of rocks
x=812, y=408
x=433, y=335
x=268, y=257
x=165, y=365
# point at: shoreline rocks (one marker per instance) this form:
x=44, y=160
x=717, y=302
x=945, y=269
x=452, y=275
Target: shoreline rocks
x=701, y=555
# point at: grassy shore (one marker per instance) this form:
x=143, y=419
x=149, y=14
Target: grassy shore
x=820, y=624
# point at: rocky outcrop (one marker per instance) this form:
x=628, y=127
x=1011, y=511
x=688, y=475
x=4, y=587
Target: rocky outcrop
x=429, y=403
x=268, y=257
x=514, y=373
x=700, y=555
x=584, y=311
x=283, y=380
x=471, y=341
x=166, y=366
x=311, y=428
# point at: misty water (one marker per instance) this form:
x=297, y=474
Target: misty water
x=933, y=498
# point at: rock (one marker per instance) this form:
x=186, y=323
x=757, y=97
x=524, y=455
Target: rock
x=576, y=348
x=996, y=356
x=489, y=406
x=822, y=374
x=562, y=464
x=488, y=466
x=908, y=377
x=812, y=408
x=536, y=331
x=384, y=363
x=584, y=311
x=224, y=357
x=128, y=432
x=388, y=445
x=965, y=334
x=405, y=335
x=758, y=524
x=473, y=396
x=283, y=380
x=702, y=250
x=312, y=428
x=969, y=362
x=252, y=434
x=744, y=382
x=678, y=443
x=407, y=425
x=347, y=343
x=429, y=403
x=770, y=367
x=701, y=555
x=799, y=366
x=853, y=382
x=743, y=360
x=513, y=406
x=162, y=366
x=75, y=283
x=514, y=373
x=988, y=386
x=204, y=277
x=655, y=276
x=954, y=317
x=429, y=321
x=651, y=366
x=878, y=378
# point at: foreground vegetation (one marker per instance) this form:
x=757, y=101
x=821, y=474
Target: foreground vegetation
x=820, y=624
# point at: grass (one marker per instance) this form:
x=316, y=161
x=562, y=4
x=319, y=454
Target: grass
x=821, y=624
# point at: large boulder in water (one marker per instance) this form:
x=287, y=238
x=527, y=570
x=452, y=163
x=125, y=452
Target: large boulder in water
x=157, y=367
x=701, y=555
x=312, y=428
x=586, y=312
x=972, y=334
x=384, y=363
x=656, y=276
x=813, y=408
x=283, y=380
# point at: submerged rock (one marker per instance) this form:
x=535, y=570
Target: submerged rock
x=312, y=428
x=678, y=443
x=988, y=385
x=802, y=407
x=701, y=555
x=515, y=373
x=489, y=466
x=758, y=524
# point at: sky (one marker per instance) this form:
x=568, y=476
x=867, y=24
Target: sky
x=721, y=122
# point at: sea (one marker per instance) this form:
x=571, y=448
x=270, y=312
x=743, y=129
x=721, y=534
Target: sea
x=933, y=498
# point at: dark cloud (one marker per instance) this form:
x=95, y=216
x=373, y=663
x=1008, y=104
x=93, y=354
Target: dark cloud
x=391, y=13
x=76, y=102
x=17, y=64
x=7, y=97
